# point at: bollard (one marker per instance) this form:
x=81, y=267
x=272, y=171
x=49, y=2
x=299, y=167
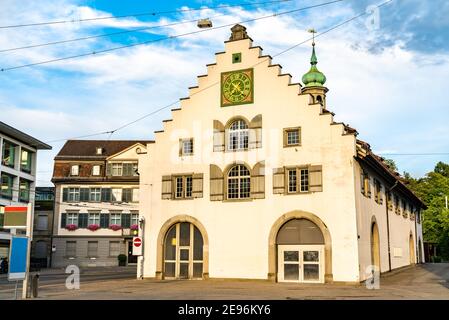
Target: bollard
x=35, y=285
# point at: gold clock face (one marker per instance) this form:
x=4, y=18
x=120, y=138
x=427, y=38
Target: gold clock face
x=237, y=87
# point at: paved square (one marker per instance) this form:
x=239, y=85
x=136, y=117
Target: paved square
x=430, y=281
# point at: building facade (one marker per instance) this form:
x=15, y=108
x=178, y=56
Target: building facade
x=253, y=179
x=44, y=205
x=18, y=159
x=96, y=202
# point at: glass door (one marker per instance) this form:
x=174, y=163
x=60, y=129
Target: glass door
x=183, y=252
x=312, y=270
x=300, y=263
x=289, y=264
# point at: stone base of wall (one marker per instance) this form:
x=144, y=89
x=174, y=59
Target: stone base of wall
x=81, y=259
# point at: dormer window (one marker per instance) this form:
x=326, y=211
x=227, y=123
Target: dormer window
x=74, y=170
x=96, y=170
x=99, y=150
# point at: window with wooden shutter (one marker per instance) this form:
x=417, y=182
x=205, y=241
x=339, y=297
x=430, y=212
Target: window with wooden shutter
x=126, y=220
x=279, y=180
x=255, y=132
x=167, y=187
x=197, y=189
x=219, y=136
x=389, y=201
x=106, y=194
x=109, y=169
x=258, y=181
x=63, y=220
x=315, y=178
x=82, y=220
x=65, y=195
x=362, y=182
x=84, y=194
x=104, y=220
x=127, y=195
x=216, y=183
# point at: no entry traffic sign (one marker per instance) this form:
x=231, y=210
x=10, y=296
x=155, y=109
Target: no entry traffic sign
x=137, y=246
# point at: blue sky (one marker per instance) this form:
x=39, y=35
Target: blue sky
x=388, y=82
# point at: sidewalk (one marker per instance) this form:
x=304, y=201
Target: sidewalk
x=83, y=270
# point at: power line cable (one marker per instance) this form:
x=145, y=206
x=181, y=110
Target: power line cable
x=244, y=4
x=117, y=32
x=278, y=54
x=166, y=38
x=175, y=102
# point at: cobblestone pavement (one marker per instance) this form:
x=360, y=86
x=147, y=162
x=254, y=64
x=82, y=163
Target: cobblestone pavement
x=430, y=281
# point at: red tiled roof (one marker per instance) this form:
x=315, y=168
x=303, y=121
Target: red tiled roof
x=88, y=148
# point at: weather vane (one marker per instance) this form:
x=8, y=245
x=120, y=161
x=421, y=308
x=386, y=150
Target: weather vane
x=312, y=31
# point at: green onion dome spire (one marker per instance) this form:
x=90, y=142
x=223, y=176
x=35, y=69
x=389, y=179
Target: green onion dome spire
x=314, y=77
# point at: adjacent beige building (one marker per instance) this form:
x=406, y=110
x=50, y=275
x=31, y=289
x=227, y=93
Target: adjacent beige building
x=253, y=179
x=96, y=202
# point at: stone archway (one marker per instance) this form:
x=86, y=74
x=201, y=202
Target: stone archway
x=297, y=214
x=161, y=238
x=375, y=244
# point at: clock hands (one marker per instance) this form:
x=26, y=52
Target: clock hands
x=236, y=87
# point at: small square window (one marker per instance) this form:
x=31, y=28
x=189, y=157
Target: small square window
x=186, y=147
x=292, y=137
x=236, y=57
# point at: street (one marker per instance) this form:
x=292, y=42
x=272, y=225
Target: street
x=429, y=281
x=57, y=277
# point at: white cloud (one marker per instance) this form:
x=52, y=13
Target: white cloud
x=385, y=95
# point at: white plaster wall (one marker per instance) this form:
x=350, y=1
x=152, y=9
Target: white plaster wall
x=400, y=228
x=238, y=231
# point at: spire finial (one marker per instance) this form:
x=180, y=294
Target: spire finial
x=312, y=31
x=314, y=77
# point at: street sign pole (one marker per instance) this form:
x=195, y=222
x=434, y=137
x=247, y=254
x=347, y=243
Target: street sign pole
x=29, y=235
x=140, y=257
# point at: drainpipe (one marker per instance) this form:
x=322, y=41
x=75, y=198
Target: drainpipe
x=416, y=240
x=388, y=224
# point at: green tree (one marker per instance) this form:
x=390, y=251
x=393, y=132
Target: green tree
x=391, y=164
x=432, y=189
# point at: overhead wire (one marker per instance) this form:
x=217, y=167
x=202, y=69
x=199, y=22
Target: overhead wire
x=165, y=38
x=118, y=32
x=262, y=61
x=154, y=13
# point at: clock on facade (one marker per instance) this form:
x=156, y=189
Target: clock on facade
x=237, y=87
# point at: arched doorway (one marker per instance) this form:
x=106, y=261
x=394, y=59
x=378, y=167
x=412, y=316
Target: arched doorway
x=183, y=253
x=300, y=251
x=412, y=250
x=375, y=246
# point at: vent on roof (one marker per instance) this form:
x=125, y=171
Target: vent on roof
x=99, y=150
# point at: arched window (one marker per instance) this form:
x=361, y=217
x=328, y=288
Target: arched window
x=238, y=134
x=239, y=182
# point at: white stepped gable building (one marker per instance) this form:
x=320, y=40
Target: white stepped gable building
x=253, y=179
